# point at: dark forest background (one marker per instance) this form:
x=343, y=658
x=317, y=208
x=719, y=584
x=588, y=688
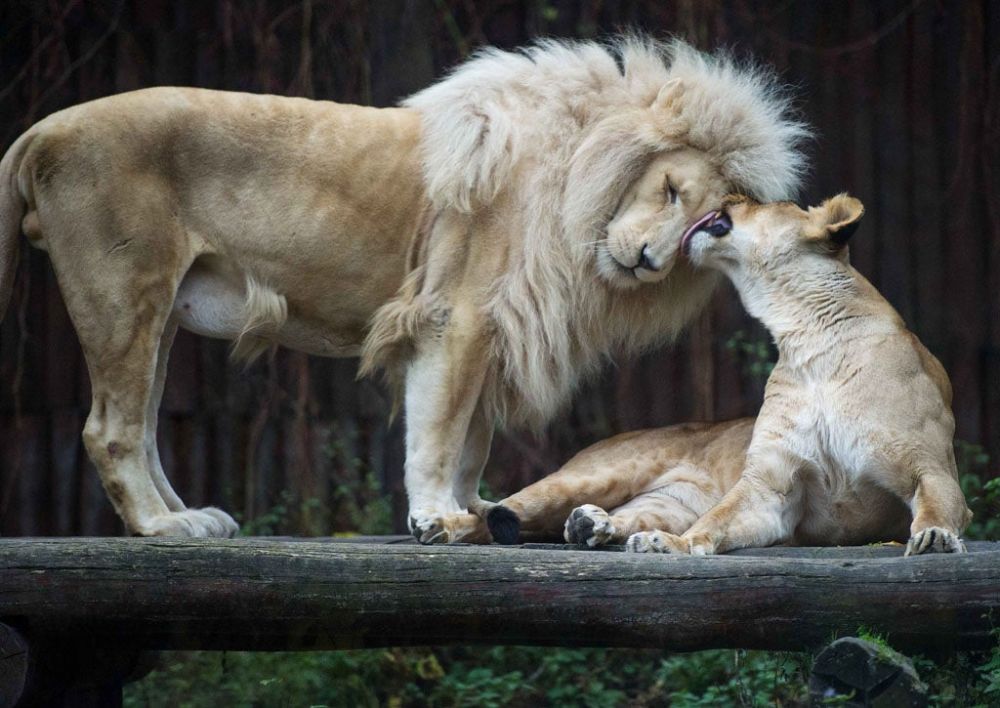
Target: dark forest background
x=905, y=97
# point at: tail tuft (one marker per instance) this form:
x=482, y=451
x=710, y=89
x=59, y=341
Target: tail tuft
x=504, y=525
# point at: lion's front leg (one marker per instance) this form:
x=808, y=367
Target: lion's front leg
x=443, y=385
x=940, y=513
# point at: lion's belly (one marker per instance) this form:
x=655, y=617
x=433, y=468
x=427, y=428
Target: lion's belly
x=213, y=302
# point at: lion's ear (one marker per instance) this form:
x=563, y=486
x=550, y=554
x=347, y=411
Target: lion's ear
x=666, y=108
x=669, y=96
x=838, y=218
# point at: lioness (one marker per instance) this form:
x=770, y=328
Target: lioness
x=853, y=443
x=487, y=245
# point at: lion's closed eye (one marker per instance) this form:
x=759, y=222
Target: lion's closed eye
x=671, y=192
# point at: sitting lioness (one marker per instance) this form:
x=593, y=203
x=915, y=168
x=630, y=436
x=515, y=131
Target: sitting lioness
x=853, y=442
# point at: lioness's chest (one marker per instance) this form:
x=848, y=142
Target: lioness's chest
x=842, y=499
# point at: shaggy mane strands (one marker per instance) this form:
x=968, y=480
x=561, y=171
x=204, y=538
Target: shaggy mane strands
x=550, y=138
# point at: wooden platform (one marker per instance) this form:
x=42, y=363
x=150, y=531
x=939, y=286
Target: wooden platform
x=293, y=594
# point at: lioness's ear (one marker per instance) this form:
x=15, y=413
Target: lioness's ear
x=839, y=217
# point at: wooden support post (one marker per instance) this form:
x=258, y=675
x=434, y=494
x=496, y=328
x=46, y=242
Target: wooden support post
x=71, y=670
x=13, y=665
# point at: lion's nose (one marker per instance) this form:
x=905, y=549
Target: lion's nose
x=645, y=261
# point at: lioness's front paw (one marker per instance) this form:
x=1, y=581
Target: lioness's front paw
x=589, y=524
x=192, y=523
x=428, y=527
x=934, y=539
x=656, y=542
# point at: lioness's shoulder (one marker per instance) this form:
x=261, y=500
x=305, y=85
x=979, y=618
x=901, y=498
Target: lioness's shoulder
x=932, y=367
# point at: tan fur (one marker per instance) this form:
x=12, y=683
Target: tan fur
x=663, y=478
x=254, y=218
x=853, y=443
x=486, y=247
x=855, y=437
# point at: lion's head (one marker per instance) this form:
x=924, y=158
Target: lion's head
x=639, y=244
x=585, y=163
x=704, y=126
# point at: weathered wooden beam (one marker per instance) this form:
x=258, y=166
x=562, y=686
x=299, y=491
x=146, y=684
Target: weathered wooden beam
x=272, y=594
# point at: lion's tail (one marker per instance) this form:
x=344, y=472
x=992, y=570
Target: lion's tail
x=12, y=208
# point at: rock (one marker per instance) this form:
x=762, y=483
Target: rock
x=862, y=673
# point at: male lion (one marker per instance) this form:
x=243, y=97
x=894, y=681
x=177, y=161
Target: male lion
x=487, y=245
x=852, y=445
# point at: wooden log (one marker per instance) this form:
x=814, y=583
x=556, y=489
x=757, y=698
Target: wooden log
x=275, y=594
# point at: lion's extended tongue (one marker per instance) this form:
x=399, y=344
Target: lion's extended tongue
x=706, y=220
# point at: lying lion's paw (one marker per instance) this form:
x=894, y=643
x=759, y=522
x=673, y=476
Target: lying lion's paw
x=934, y=539
x=589, y=524
x=197, y=523
x=428, y=527
x=656, y=542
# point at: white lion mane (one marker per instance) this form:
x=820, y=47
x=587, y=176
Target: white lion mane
x=554, y=134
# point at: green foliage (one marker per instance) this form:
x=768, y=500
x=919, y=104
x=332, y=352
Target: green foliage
x=473, y=676
x=358, y=503
x=365, y=506
x=757, y=355
x=525, y=676
x=269, y=522
x=355, y=504
x=982, y=491
x=968, y=679
x=878, y=640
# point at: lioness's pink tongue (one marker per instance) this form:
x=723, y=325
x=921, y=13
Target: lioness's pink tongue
x=693, y=228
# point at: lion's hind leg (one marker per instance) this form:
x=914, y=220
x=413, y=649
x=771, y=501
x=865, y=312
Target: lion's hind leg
x=159, y=477
x=119, y=290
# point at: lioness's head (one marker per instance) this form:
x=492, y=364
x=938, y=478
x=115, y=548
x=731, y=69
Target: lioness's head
x=749, y=240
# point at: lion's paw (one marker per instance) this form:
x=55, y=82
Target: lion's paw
x=192, y=523
x=589, y=524
x=656, y=542
x=934, y=539
x=429, y=527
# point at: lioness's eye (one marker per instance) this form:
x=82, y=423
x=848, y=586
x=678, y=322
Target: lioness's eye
x=671, y=193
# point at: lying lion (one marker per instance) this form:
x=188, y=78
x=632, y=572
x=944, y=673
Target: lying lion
x=488, y=245
x=852, y=445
